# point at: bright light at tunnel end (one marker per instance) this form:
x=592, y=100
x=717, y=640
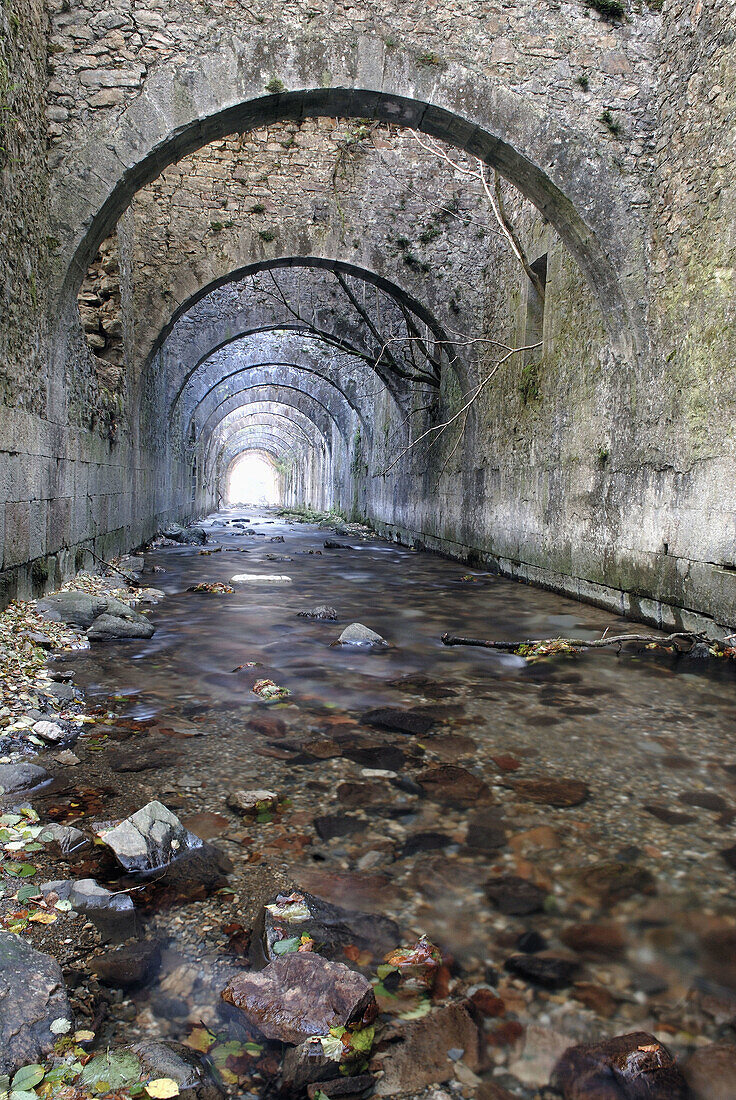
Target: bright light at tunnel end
x=252, y=479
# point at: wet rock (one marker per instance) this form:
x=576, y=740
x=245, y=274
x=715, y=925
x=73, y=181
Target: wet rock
x=541, y=1051
x=18, y=778
x=78, y=609
x=486, y=830
x=358, y=635
x=112, y=627
x=449, y=783
x=32, y=997
x=596, y=998
x=627, y=1067
x=729, y=855
x=306, y=1064
x=424, y=685
x=51, y=732
x=172, y=1061
x=598, y=940
x=113, y=914
x=425, y=1050
x=150, y=839
x=187, y=536
x=616, y=881
x=330, y=926
x=515, y=896
x=711, y=1072
x=330, y=544
x=353, y=794
x=414, y=722
x=670, y=817
x=387, y=757
x=64, y=693
x=549, y=971
x=322, y=612
x=300, y=995
x=251, y=803
x=67, y=837
x=334, y=825
x=128, y=967
x=276, y=538
x=549, y=791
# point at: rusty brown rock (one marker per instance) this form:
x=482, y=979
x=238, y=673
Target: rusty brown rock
x=550, y=791
x=300, y=995
x=711, y=1072
x=420, y=1057
x=449, y=783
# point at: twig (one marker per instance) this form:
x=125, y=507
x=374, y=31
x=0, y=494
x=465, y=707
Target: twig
x=130, y=581
x=579, y=643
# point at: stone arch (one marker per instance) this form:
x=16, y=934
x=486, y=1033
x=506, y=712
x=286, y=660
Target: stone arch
x=279, y=392
x=580, y=190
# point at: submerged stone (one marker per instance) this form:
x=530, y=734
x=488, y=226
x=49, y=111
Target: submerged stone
x=150, y=839
x=17, y=778
x=322, y=611
x=429, y=1048
x=401, y=720
x=549, y=971
x=300, y=995
x=290, y=916
x=515, y=896
x=550, y=791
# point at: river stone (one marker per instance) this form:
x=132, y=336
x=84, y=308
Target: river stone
x=549, y=791
x=186, y=535
x=110, y=627
x=422, y=1056
x=112, y=913
x=357, y=634
x=329, y=925
x=321, y=611
x=150, y=839
x=517, y=897
x=51, y=732
x=250, y=803
x=72, y=607
x=615, y=881
x=32, y=997
x=486, y=830
x=15, y=778
x=711, y=1072
x=301, y=994
x=635, y=1066
x=450, y=783
x=175, y=1062
x=67, y=837
x=415, y=722
x=128, y=967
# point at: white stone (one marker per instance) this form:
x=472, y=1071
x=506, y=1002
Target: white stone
x=260, y=578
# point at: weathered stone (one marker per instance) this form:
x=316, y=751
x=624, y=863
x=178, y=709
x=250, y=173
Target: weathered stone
x=331, y=926
x=300, y=995
x=32, y=998
x=67, y=837
x=321, y=611
x=250, y=803
x=50, y=732
x=112, y=627
x=628, y=1067
x=150, y=839
x=112, y=913
x=73, y=607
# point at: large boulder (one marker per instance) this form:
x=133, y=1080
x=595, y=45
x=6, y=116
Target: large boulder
x=301, y=995
x=635, y=1066
x=194, y=536
x=75, y=608
x=107, y=628
x=32, y=998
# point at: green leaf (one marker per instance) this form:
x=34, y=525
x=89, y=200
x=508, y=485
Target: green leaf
x=422, y=1009
x=25, y=893
x=118, y=1068
x=253, y=1048
x=285, y=947
x=23, y=1094
x=34, y=846
x=20, y=870
x=363, y=1040
x=27, y=1077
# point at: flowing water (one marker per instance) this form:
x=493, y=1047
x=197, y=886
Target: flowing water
x=637, y=916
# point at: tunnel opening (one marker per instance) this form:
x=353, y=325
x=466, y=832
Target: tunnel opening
x=253, y=479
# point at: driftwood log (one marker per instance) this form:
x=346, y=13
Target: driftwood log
x=582, y=643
